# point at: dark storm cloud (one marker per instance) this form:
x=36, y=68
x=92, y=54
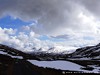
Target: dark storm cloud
x=54, y=17
x=92, y=5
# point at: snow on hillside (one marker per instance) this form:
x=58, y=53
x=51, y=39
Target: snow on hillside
x=89, y=51
x=63, y=65
x=1, y=52
x=5, y=53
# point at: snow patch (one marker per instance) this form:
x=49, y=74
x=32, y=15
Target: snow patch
x=5, y=53
x=63, y=65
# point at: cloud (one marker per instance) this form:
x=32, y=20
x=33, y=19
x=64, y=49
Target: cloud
x=54, y=17
x=26, y=42
x=76, y=21
x=92, y=6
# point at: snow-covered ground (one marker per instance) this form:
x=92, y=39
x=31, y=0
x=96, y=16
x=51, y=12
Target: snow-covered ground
x=18, y=57
x=63, y=65
x=1, y=52
x=5, y=53
x=96, y=68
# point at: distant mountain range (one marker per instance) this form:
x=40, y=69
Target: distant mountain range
x=56, y=49
x=85, y=52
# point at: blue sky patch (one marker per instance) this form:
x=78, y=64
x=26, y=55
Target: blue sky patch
x=9, y=22
x=88, y=38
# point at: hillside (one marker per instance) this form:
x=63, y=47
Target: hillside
x=16, y=62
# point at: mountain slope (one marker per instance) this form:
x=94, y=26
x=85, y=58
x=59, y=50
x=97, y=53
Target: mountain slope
x=6, y=50
x=88, y=52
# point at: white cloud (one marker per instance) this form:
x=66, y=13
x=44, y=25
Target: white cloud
x=77, y=21
x=53, y=15
x=25, y=42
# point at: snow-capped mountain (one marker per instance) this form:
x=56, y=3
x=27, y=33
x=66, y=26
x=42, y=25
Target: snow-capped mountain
x=60, y=49
x=56, y=50
x=14, y=53
x=88, y=52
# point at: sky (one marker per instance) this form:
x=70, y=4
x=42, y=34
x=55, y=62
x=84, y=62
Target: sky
x=25, y=24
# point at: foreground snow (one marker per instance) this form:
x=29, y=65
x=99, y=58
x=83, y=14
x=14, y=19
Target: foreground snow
x=5, y=53
x=63, y=65
x=1, y=52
